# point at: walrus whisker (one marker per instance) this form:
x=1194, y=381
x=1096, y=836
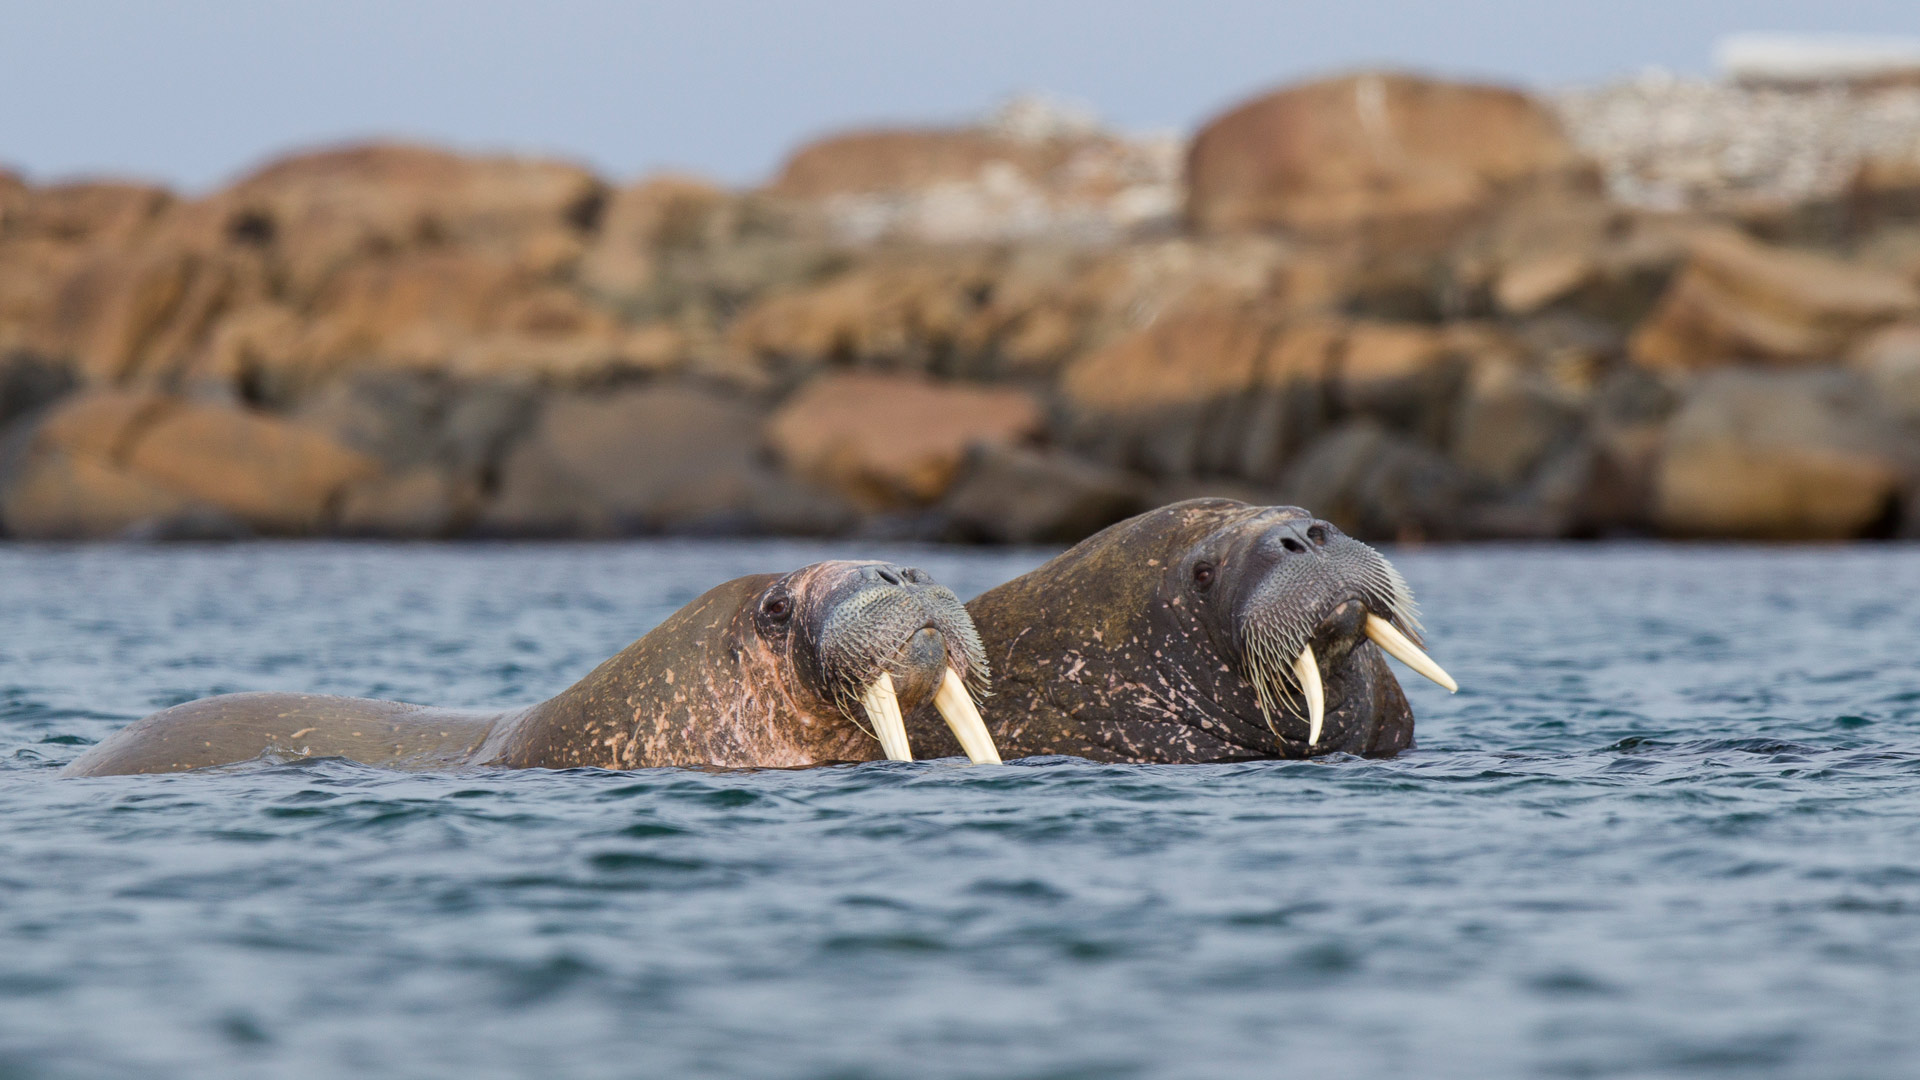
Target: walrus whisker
x=883, y=708
x=1396, y=645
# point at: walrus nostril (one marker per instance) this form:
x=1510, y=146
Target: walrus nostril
x=1318, y=534
x=888, y=575
x=1293, y=545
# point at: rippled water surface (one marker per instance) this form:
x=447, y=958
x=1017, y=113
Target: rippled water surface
x=1670, y=826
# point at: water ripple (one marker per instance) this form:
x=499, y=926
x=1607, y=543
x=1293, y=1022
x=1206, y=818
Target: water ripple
x=1637, y=843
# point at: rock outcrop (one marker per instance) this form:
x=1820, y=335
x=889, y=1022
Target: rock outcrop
x=1409, y=304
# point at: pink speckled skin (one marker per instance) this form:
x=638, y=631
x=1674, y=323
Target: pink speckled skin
x=732, y=679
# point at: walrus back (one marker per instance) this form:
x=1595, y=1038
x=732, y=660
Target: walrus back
x=242, y=727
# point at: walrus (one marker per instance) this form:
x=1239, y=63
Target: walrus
x=770, y=670
x=1207, y=630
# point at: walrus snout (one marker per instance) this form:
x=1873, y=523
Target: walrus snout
x=890, y=638
x=920, y=668
x=1308, y=595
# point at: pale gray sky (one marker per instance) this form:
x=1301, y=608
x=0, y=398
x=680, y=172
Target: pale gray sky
x=194, y=91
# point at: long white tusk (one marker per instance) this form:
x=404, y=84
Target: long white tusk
x=1388, y=637
x=1307, y=669
x=957, y=709
x=883, y=709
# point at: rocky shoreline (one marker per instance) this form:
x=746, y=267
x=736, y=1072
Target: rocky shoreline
x=1425, y=309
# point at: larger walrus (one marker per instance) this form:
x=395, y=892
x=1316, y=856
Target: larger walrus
x=768, y=670
x=1208, y=630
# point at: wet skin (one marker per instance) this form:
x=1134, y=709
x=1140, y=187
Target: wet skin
x=760, y=671
x=1150, y=642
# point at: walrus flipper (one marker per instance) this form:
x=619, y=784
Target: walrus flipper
x=242, y=727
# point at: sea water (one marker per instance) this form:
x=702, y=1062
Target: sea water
x=1670, y=826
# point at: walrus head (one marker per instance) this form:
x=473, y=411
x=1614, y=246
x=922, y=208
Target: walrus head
x=872, y=640
x=1286, y=597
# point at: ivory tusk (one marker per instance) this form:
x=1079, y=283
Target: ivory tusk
x=957, y=709
x=883, y=710
x=1307, y=670
x=1397, y=645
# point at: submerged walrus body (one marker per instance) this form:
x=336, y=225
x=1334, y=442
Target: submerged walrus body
x=768, y=670
x=1208, y=630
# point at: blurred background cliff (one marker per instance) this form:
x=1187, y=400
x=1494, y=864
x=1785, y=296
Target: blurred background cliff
x=1532, y=302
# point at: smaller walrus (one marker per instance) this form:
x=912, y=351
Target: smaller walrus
x=768, y=670
x=1208, y=630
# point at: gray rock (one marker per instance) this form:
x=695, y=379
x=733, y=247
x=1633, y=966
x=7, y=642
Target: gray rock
x=29, y=384
x=408, y=418
x=1379, y=485
x=1018, y=495
x=660, y=459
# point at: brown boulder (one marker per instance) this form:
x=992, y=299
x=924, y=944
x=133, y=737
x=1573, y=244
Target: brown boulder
x=1739, y=300
x=277, y=476
x=59, y=495
x=67, y=481
x=1367, y=150
x=112, y=462
x=894, y=440
x=1776, y=456
x=1205, y=388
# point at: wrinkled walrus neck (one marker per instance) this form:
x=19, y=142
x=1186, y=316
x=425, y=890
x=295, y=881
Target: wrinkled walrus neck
x=702, y=688
x=1103, y=653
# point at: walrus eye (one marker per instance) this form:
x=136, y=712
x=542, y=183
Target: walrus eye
x=1203, y=576
x=777, y=607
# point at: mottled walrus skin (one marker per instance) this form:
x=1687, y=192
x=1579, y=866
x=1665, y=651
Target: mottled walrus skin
x=761, y=671
x=1152, y=640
